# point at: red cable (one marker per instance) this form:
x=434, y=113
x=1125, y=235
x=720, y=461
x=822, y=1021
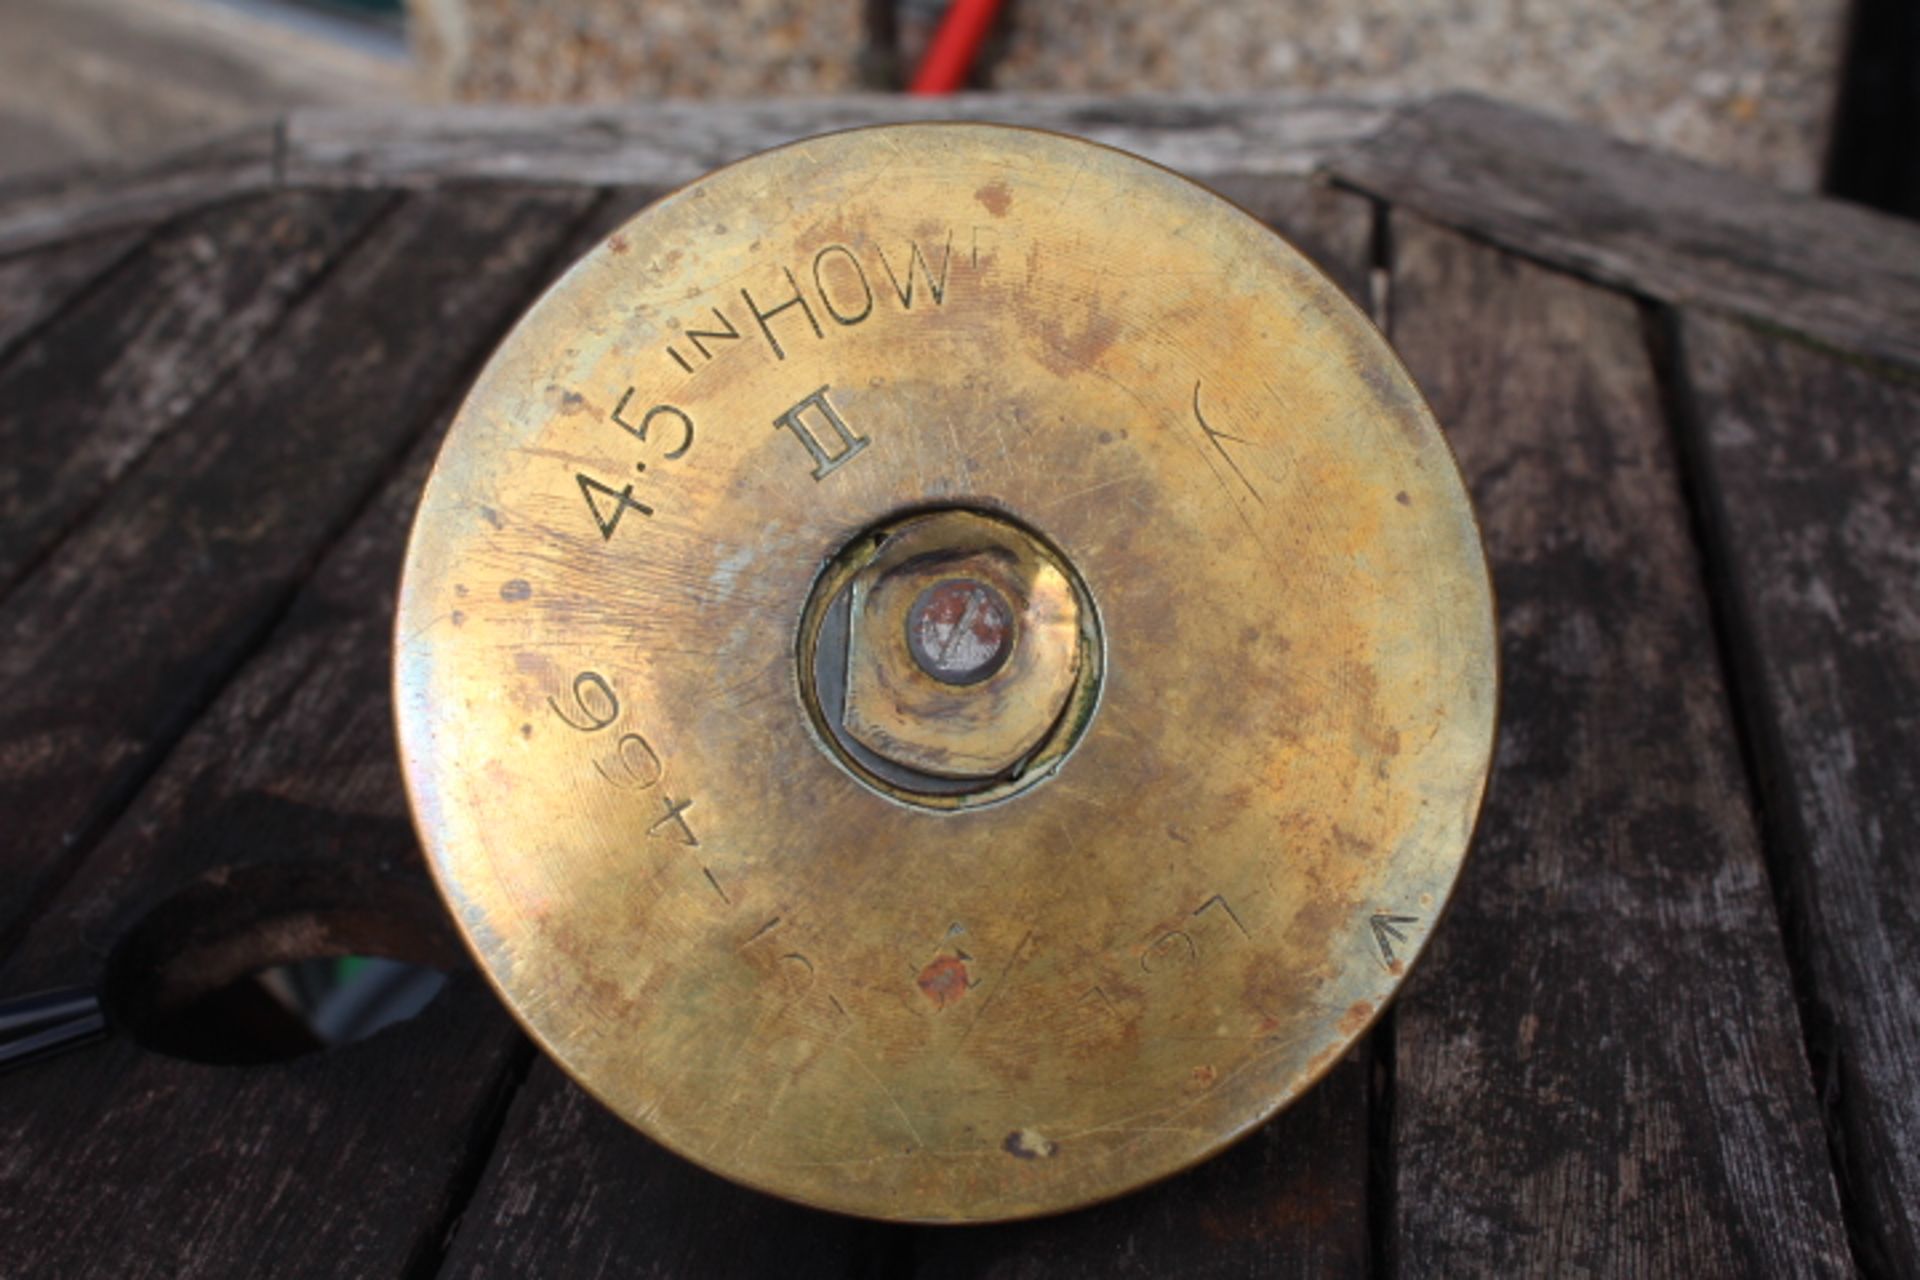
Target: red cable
x=950, y=56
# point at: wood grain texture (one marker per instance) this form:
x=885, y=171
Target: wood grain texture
x=657, y=144
x=1651, y=223
x=570, y=1188
x=669, y=143
x=34, y=286
x=1812, y=481
x=46, y=209
x=1599, y=1070
x=92, y=392
x=276, y=831
x=117, y=641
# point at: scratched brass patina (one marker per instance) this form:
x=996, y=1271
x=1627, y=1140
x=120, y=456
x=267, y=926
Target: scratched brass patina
x=1122, y=551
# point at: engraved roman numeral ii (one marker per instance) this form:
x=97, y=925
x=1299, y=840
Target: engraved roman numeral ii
x=847, y=442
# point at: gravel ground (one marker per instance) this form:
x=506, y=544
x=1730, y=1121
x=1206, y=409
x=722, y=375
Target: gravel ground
x=1742, y=83
x=613, y=50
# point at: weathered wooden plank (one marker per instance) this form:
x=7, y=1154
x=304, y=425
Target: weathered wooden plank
x=44, y=210
x=569, y=1188
x=281, y=814
x=118, y=640
x=1652, y=223
x=669, y=143
x=280, y=820
x=1599, y=1069
x=1811, y=470
x=92, y=392
x=572, y=1187
x=1289, y=1201
x=573, y=1190
x=35, y=285
x=661, y=144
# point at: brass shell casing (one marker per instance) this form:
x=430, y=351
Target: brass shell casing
x=1096, y=967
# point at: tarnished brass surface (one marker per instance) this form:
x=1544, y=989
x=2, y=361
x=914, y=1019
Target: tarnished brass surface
x=1110, y=962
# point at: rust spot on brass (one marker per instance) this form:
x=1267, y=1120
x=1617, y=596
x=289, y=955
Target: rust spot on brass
x=944, y=981
x=996, y=198
x=1354, y=1020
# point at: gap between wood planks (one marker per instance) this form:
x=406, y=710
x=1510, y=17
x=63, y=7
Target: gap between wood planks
x=84, y=284
x=118, y=793
x=1709, y=535
x=487, y=1128
x=1762, y=756
x=86, y=511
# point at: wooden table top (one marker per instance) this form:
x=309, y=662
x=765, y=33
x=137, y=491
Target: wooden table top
x=1671, y=1025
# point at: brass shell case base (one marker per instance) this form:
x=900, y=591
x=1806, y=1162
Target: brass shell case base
x=1126, y=893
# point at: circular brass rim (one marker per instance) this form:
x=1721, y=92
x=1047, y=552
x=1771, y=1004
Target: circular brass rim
x=1029, y=1171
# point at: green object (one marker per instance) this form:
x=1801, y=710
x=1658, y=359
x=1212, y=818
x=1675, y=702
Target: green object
x=347, y=968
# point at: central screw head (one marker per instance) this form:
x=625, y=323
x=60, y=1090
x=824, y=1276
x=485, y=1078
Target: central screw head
x=939, y=653
x=960, y=631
